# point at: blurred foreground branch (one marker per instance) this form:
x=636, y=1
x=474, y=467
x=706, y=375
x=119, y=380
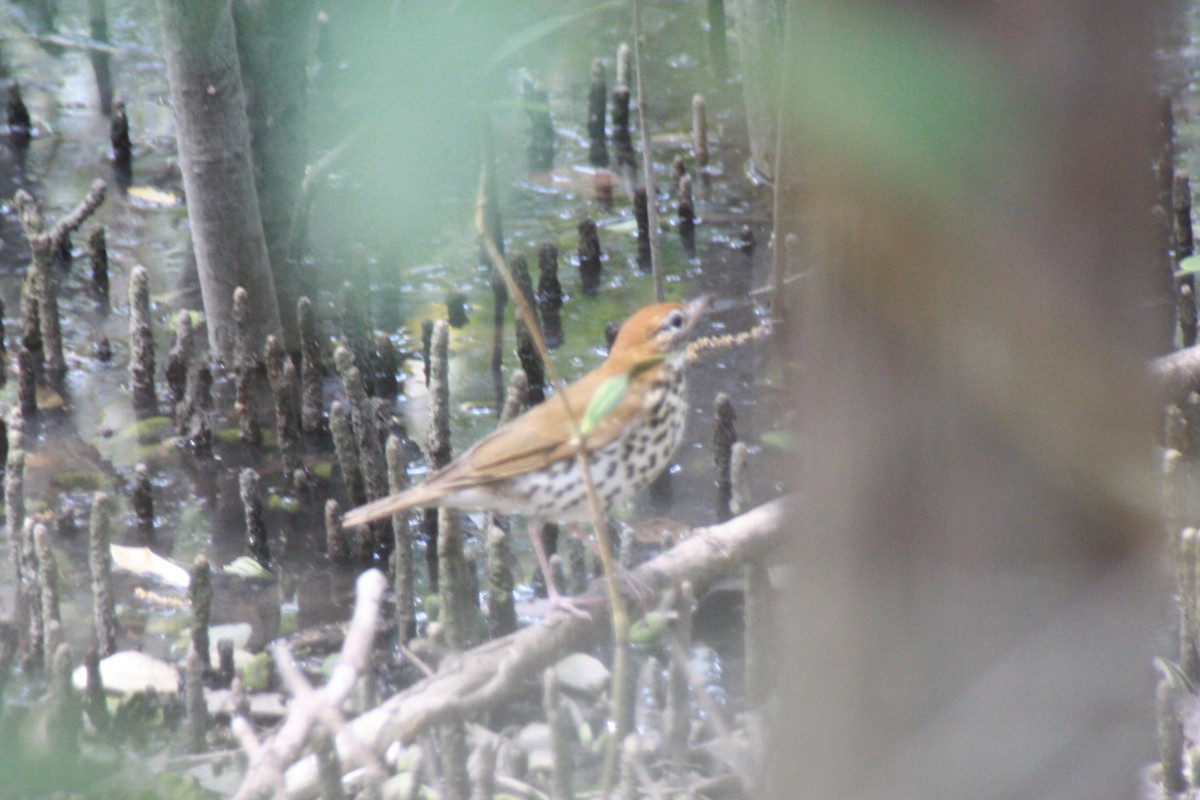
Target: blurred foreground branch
x=972, y=611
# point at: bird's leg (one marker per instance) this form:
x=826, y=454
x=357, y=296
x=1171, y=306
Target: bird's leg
x=641, y=593
x=556, y=600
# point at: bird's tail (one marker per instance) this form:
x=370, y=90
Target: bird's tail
x=422, y=495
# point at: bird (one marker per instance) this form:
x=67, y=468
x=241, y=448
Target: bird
x=630, y=412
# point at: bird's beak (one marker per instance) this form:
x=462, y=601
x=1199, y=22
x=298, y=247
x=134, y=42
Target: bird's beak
x=697, y=308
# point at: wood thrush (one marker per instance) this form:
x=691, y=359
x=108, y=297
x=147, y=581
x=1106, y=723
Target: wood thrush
x=630, y=410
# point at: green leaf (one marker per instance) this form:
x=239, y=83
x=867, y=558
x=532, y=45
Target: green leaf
x=647, y=629
x=527, y=36
x=781, y=439
x=246, y=567
x=889, y=96
x=329, y=663
x=286, y=503
x=1188, y=266
x=607, y=397
x=256, y=675
x=584, y=732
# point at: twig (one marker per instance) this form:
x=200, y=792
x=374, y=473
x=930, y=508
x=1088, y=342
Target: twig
x=43, y=278
x=779, y=198
x=620, y=615
x=79, y=215
x=270, y=759
x=78, y=43
x=647, y=156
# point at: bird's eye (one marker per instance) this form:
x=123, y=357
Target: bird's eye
x=675, y=320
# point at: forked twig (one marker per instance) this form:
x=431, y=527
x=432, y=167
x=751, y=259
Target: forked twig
x=309, y=706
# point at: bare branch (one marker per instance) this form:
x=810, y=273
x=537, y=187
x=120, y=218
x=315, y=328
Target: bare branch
x=79, y=215
x=487, y=673
x=309, y=705
x=647, y=155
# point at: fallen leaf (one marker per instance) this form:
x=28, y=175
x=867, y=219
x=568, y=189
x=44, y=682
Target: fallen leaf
x=142, y=561
x=131, y=671
x=154, y=197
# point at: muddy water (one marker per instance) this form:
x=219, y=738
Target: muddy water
x=357, y=232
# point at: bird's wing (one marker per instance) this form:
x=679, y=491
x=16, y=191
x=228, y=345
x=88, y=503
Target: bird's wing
x=541, y=435
x=538, y=437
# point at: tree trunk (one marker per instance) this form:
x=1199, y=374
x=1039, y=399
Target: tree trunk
x=218, y=175
x=272, y=40
x=975, y=597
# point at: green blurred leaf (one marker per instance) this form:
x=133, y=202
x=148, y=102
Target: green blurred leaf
x=433, y=606
x=607, y=397
x=610, y=394
x=782, y=440
x=1188, y=266
x=256, y=676
x=329, y=663
x=624, y=226
x=584, y=732
x=647, y=629
x=246, y=567
x=194, y=317
x=907, y=102
x=151, y=429
x=77, y=480
x=285, y=503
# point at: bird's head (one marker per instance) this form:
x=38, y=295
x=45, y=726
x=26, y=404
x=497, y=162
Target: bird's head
x=657, y=331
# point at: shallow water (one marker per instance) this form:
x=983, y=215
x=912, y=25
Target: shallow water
x=417, y=238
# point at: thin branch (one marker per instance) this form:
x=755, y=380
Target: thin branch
x=620, y=614
x=79, y=215
x=779, y=255
x=647, y=156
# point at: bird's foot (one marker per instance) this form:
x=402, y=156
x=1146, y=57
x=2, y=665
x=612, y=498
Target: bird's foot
x=571, y=605
x=634, y=587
